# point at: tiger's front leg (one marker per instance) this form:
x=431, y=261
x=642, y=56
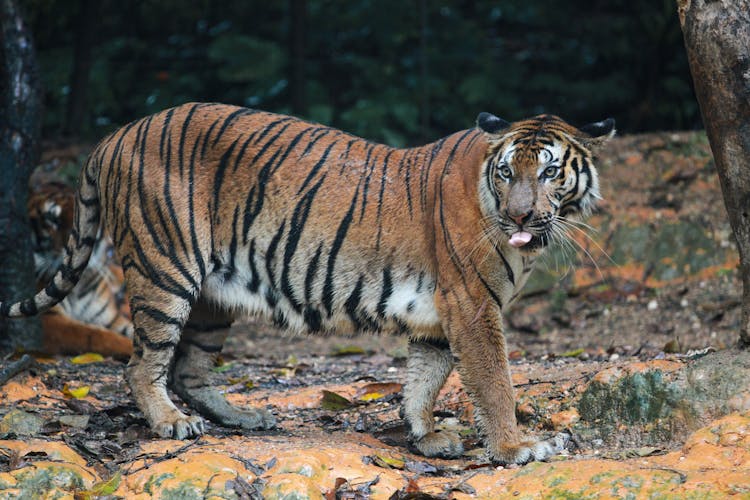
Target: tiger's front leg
x=192, y=376
x=474, y=329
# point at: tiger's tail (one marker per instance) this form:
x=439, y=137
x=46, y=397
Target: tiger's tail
x=77, y=250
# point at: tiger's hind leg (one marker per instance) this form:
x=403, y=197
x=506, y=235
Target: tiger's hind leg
x=158, y=317
x=427, y=368
x=193, y=379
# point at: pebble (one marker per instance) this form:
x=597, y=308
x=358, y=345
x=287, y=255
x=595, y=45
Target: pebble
x=653, y=305
x=614, y=357
x=684, y=303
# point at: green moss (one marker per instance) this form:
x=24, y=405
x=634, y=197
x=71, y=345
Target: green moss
x=35, y=482
x=185, y=491
x=638, y=398
x=555, y=481
x=155, y=481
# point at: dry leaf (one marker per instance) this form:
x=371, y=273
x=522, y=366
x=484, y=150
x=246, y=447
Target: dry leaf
x=377, y=390
x=388, y=462
x=102, y=488
x=333, y=401
x=89, y=357
x=75, y=392
x=347, y=350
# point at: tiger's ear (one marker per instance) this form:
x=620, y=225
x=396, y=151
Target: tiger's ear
x=598, y=133
x=490, y=123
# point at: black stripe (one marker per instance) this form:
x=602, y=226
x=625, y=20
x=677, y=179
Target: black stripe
x=157, y=315
x=271, y=252
x=183, y=136
x=228, y=121
x=383, y=179
x=297, y=225
x=386, y=293
x=316, y=168
x=352, y=303
x=28, y=307
x=508, y=269
x=155, y=346
x=191, y=212
x=214, y=348
x=439, y=343
x=312, y=268
x=335, y=248
x=313, y=319
x=254, y=284
x=219, y=179
x=53, y=291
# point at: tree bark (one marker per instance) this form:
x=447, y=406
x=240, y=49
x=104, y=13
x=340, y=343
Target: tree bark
x=717, y=38
x=20, y=120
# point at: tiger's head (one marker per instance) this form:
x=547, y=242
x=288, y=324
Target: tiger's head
x=537, y=174
x=50, y=209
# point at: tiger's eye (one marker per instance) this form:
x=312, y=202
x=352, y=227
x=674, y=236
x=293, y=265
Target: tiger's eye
x=550, y=172
x=506, y=172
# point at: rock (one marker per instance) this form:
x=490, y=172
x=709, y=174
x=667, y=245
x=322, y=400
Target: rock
x=21, y=423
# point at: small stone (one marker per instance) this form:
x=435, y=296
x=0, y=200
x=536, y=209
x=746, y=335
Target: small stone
x=684, y=303
x=21, y=423
x=392, y=369
x=653, y=305
x=614, y=356
x=76, y=421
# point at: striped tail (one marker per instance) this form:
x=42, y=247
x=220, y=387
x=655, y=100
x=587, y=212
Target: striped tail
x=77, y=250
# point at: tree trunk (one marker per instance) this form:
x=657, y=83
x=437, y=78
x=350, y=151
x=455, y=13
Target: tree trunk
x=297, y=40
x=20, y=110
x=717, y=38
x=85, y=24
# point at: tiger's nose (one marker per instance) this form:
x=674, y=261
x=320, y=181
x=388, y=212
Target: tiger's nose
x=521, y=219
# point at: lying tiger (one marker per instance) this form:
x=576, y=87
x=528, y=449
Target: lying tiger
x=91, y=317
x=217, y=211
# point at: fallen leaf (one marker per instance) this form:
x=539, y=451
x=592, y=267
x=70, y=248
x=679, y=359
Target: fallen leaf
x=377, y=390
x=388, y=462
x=75, y=392
x=89, y=357
x=222, y=367
x=347, y=350
x=333, y=401
x=103, y=488
x=572, y=354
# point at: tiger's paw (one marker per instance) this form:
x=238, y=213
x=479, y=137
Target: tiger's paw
x=530, y=451
x=441, y=444
x=180, y=427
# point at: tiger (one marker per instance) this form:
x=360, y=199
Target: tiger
x=218, y=211
x=92, y=317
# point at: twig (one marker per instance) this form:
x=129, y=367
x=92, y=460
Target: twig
x=15, y=368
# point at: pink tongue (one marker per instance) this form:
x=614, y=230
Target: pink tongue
x=519, y=239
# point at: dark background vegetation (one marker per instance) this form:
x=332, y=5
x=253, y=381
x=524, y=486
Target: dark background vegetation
x=399, y=71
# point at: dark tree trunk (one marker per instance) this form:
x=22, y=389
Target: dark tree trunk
x=297, y=41
x=85, y=23
x=717, y=38
x=20, y=110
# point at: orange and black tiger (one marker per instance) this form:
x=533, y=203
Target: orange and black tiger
x=92, y=317
x=217, y=211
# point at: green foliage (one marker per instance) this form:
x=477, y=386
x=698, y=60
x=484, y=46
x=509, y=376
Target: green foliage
x=381, y=69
